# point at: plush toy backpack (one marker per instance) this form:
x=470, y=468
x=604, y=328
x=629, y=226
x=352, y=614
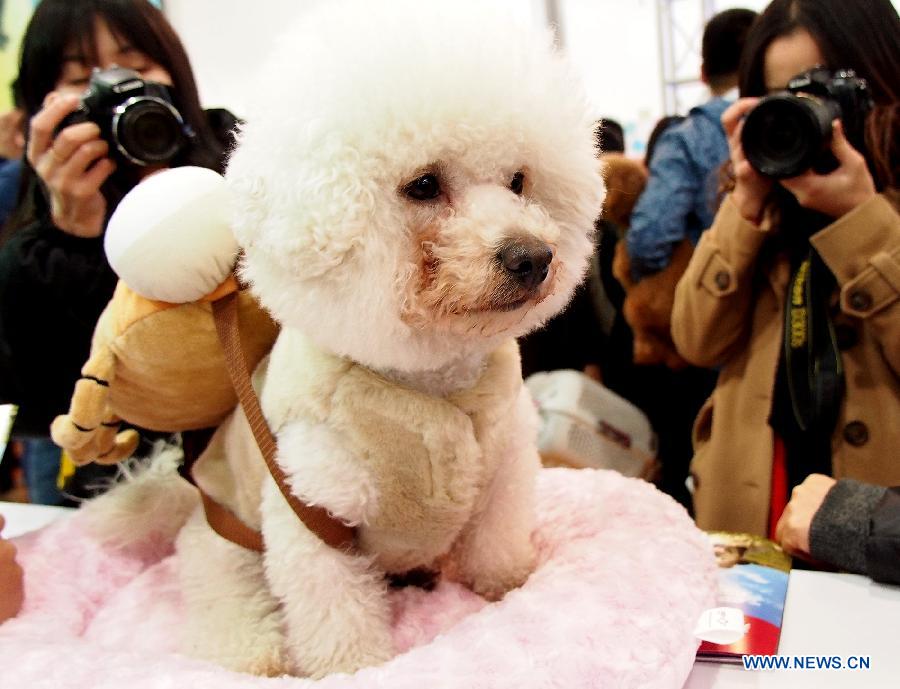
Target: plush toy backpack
x=156, y=361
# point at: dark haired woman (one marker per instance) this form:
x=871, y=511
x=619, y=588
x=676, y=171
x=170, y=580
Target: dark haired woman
x=54, y=277
x=794, y=292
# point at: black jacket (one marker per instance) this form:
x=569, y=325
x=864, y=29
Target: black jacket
x=857, y=528
x=53, y=288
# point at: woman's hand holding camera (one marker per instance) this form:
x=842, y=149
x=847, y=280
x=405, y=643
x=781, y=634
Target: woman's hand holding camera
x=842, y=189
x=73, y=166
x=835, y=193
x=750, y=187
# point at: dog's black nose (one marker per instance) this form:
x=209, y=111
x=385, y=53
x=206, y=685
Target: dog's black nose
x=527, y=260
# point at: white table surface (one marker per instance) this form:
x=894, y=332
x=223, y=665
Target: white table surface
x=22, y=518
x=825, y=614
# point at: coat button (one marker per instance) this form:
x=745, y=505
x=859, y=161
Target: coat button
x=846, y=336
x=860, y=300
x=722, y=280
x=856, y=433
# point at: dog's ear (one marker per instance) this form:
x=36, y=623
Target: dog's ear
x=307, y=229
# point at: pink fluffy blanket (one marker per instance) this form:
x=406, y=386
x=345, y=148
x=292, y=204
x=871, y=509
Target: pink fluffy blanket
x=622, y=579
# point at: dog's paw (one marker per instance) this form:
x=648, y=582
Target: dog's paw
x=494, y=585
x=260, y=657
x=349, y=660
x=273, y=663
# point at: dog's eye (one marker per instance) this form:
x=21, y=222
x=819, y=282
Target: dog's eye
x=423, y=188
x=518, y=183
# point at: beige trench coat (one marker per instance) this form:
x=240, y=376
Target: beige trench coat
x=729, y=316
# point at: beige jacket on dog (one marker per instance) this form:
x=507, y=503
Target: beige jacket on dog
x=431, y=457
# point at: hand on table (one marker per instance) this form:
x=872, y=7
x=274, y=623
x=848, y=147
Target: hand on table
x=792, y=531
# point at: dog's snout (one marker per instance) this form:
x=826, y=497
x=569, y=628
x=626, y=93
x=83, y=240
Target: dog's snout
x=526, y=260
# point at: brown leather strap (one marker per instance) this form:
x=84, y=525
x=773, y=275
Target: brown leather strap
x=228, y=526
x=317, y=519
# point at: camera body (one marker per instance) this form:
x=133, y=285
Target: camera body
x=137, y=118
x=789, y=132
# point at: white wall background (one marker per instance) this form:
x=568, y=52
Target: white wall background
x=613, y=43
x=227, y=39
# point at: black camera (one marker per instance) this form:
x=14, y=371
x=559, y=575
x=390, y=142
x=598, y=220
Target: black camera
x=137, y=118
x=789, y=132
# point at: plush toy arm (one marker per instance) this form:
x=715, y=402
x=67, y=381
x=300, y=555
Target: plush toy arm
x=89, y=432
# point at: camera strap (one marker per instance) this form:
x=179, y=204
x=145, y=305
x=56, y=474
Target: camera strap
x=813, y=366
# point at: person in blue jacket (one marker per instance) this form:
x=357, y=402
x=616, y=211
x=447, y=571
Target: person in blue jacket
x=679, y=201
x=677, y=204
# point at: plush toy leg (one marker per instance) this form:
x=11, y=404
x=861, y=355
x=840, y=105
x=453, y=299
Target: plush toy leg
x=89, y=432
x=336, y=613
x=106, y=445
x=232, y=619
x=494, y=553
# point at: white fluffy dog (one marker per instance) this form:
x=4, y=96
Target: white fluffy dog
x=415, y=188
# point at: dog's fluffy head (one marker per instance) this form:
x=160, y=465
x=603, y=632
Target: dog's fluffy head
x=407, y=172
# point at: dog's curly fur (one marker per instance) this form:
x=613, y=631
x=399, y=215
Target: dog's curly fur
x=359, y=102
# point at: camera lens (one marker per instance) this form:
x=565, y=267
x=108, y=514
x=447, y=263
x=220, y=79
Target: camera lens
x=784, y=135
x=149, y=131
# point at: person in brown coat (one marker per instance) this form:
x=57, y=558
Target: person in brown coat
x=820, y=395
